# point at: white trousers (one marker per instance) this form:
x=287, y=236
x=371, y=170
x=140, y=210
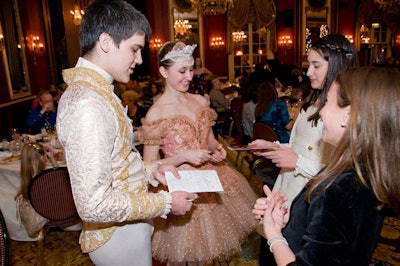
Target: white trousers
x=129, y=245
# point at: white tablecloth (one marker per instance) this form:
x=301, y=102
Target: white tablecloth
x=10, y=182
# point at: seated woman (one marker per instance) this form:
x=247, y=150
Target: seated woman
x=273, y=111
x=135, y=111
x=151, y=93
x=250, y=99
x=33, y=161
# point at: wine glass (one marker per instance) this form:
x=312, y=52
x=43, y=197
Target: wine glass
x=15, y=135
x=15, y=147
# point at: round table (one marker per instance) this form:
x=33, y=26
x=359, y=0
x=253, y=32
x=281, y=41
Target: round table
x=10, y=181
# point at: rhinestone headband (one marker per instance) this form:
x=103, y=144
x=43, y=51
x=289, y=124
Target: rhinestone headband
x=182, y=56
x=337, y=48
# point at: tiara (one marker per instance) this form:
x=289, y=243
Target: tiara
x=177, y=52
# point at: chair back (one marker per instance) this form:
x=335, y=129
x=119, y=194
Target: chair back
x=4, y=256
x=264, y=131
x=238, y=140
x=265, y=168
x=237, y=106
x=50, y=195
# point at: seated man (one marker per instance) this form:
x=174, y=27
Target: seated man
x=217, y=98
x=43, y=116
x=221, y=105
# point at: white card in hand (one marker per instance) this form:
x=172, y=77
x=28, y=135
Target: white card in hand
x=194, y=181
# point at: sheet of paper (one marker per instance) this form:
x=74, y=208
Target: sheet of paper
x=194, y=181
x=245, y=148
x=239, y=148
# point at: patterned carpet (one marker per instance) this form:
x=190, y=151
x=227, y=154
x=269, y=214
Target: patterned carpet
x=62, y=248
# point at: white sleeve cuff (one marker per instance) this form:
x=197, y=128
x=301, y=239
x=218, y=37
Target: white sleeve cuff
x=149, y=169
x=168, y=203
x=306, y=168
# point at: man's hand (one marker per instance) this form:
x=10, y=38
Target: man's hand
x=47, y=107
x=182, y=202
x=159, y=173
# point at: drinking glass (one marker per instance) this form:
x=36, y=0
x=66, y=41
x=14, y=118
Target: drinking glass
x=15, y=135
x=16, y=147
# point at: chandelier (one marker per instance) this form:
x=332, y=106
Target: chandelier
x=182, y=26
x=238, y=36
x=390, y=6
x=211, y=7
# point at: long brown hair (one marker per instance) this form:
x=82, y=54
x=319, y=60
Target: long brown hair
x=266, y=95
x=31, y=165
x=370, y=142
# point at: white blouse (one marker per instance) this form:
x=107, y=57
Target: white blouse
x=313, y=154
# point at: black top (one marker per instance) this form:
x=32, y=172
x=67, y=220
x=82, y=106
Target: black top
x=338, y=227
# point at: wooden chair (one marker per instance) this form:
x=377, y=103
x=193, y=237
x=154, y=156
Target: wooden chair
x=263, y=131
x=4, y=249
x=260, y=131
x=50, y=194
x=238, y=139
x=236, y=106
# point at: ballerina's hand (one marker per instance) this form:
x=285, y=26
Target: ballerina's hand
x=218, y=154
x=197, y=157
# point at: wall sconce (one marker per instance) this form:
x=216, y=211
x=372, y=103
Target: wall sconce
x=350, y=38
x=37, y=47
x=285, y=42
x=77, y=13
x=155, y=44
x=2, y=43
x=217, y=43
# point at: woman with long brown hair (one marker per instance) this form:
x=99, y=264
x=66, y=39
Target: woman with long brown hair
x=273, y=111
x=33, y=161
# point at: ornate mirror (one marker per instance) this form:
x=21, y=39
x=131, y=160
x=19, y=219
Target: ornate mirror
x=316, y=22
x=12, y=51
x=187, y=24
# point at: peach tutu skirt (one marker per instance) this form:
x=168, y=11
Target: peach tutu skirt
x=214, y=228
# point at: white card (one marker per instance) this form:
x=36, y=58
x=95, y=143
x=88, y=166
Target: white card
x=194, y=181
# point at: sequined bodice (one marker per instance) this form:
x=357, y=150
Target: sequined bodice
x=179, y=132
